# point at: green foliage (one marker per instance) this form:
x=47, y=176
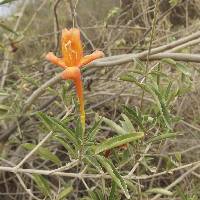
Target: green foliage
x=117, y=178
x=161, y=137
x=65, y=192
x=174, y=2
x=160, y=191
x=118, y=141
x=55, y=125
x=44, y=153
x=42, y=183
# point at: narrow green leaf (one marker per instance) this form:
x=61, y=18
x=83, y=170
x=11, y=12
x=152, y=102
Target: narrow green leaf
x=130, y=78
x=112, y=171
x=139, y=64
x=161, y=105
x=54, y=125
x=168, y=61
x=4, y=107
x=126, y=124
x=94, y=130
x=184, y=69
x=118, y=129
x=160, y=191
x=67, y=146
x=7, y=28
x=161, y=137
x=118, y=141
x=42, y=184
x=112, y=191
x=44, y=153
x=64, y=193
x=92, y=161
x=93, y=195
x=179, y=66
x=168, y=89
x=135, y=115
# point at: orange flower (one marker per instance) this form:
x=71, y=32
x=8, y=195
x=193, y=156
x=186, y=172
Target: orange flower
x=72, y=60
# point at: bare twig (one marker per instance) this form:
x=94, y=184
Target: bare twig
x=34, y=16
x=178, y=180
x=8, y=54
x=56, y=24
x=34, y=150
x=94, y=176
x=25, y=188
x=149, y=49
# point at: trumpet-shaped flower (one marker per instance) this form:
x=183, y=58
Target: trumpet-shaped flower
x=72, y=60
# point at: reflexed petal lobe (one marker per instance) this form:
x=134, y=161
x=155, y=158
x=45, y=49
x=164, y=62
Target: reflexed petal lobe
x=55, y=60
x=89, y=58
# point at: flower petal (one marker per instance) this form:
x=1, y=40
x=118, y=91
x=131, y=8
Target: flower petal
x=89, y=58
x=55, y=60
x=72, y=50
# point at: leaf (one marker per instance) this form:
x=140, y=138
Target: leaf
x=3, y=94
x=117, y=178
x=94, y=130
x=93, y=195
x=92, y=160
x=160, y=191
x=42, y=184
x=139, y=64
x=118, y=129
x=66, y=146
x=7, y=28
x=167, y=91
x=161, y=137
x=168, y=61
x=64, y=193
x=126, y=124
x=4, y=107
x=112, y=191
x=44, y=153
x=113, y=12
x=161, y=105
x=179, y=66
x=133, y=113
x=174, y=2
x=182, y=68
x=54, y=125
x=130, y=78
x=118, y=141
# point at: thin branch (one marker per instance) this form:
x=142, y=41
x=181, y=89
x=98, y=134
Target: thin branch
x=39, y=91
x=56, y=24
x=34, y=150
x=178, y=180
x=34, y=16
x=80, y=175
x=25, y=188
x=149, y=48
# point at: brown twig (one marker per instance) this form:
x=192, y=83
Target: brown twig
x=56, y=24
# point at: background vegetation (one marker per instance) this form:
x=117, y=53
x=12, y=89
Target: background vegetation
x=142, y=114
